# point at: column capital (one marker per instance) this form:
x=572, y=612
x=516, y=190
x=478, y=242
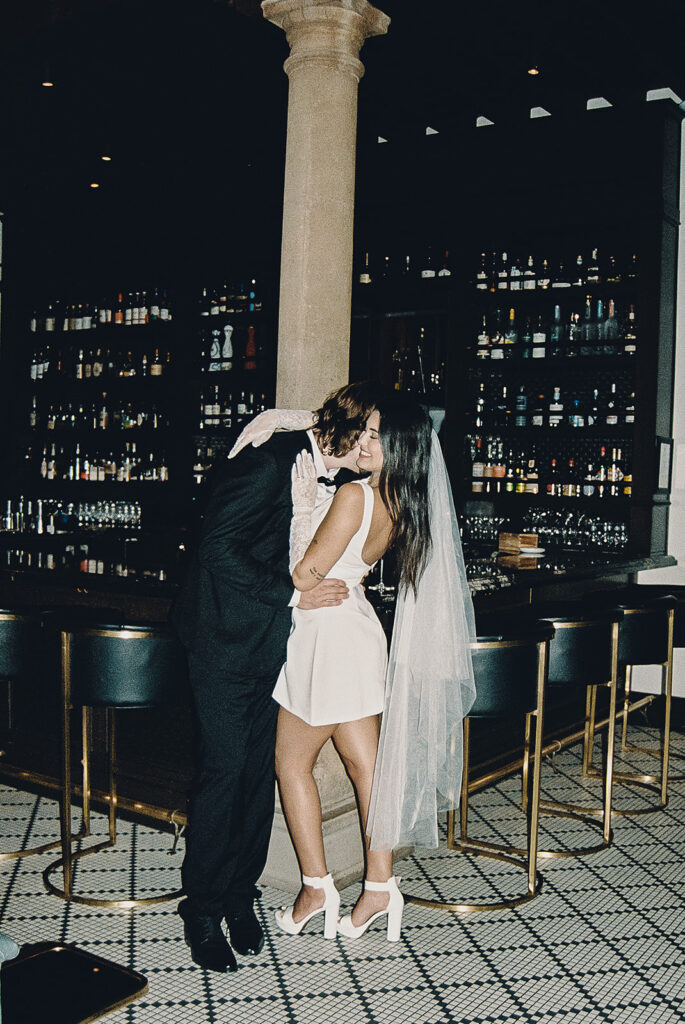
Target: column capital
x=329, y=31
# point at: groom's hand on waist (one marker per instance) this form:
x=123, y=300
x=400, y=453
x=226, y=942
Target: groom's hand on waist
x=325, y=595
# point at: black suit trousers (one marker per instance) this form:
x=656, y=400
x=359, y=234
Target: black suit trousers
x=232, y=804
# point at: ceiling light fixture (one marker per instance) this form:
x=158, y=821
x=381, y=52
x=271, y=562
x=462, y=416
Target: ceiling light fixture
x=535, y=70
x=46, y=83
x=94, y=184
x=107, y=159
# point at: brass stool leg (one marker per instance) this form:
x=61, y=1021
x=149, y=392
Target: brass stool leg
x=534, y=880
x=589, y=727
x=525, y=770
x=111, y=737
x=86, y=747
x=626, y=703
x=611, y=738
x=67, y=867
x=666, y=745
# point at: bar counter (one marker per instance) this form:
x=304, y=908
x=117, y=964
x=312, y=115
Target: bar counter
x=155, y=747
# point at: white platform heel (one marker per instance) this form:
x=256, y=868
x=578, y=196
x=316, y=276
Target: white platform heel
x=394, y=911
x=330, y=909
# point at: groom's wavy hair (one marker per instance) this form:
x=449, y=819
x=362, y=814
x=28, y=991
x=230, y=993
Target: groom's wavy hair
x=405, y=437
x=342, y=417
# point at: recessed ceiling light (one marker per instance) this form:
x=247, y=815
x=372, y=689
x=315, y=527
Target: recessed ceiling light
x=94, y=184
x=106, y=158
x=535, y=70
x=47, y=84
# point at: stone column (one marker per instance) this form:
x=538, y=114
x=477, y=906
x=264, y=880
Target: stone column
x=324, y=70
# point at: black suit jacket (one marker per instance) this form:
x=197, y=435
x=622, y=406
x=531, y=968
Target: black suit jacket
x=234, y=605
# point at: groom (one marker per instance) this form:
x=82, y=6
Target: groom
x=233, y=615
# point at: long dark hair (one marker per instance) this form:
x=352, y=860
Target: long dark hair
x=405, y=437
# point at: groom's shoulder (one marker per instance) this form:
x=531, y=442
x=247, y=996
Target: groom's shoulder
x=284, y=446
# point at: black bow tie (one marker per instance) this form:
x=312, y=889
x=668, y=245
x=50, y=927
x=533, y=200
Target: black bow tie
x=327, y=481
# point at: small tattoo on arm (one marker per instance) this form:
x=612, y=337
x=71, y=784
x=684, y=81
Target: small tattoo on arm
x=316, y=574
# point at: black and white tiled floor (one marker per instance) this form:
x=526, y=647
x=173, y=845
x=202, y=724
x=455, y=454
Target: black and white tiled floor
x=604, y=942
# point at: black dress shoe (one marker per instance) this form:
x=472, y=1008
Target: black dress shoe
x=208, y=945
x=245, y=931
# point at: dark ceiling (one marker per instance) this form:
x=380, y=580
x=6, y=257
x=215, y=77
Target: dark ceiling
x=189, y=98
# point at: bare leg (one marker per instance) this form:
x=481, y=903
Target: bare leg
x=297, y=747
x=357, y=744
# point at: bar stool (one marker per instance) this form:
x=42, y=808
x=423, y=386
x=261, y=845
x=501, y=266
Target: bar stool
x=112, y=666
x=510, y=667
x=583, y=652
x=645, y=638
x=677, y=592
x=20, y=663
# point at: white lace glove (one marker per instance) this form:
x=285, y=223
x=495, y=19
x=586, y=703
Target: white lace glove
x=304, y=499
x=260, y=429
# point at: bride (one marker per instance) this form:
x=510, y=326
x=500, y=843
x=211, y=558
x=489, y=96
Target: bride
x=337, y=679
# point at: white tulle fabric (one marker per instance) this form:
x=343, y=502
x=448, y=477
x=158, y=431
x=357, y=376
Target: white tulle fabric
x=429, y=688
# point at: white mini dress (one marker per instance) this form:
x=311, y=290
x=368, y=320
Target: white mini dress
x=337, y=657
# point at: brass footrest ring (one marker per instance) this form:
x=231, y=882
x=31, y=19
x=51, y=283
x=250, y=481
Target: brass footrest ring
x=650, y=782
x=581, y=814
x=15, y=854
x=479, y=849
x=92, y=901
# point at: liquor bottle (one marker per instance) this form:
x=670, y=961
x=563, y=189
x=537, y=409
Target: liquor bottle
x=204, y=303
x=428, y=265
x=78, y=366
x=593, y=275
x=51, y=318
x=588, y=347
x=555, y=412
x=510, y=474
x=630, y=333
x=250, y=357
x=119, y=309
x=611, y=414
x=482, y=275
x=478, y=468
x=227, y=348
x=365, y=270
x=527, y=340
x=164, y=311
x=574, y=335
x=521, y=407
x=539, y=350
x=537, y=414
x=570, y=487
x=576, y=416
x=532, y=482
x=543, y=280
x=516, y=276
x=629, y=414
x=610, y=332
x=521, y=475
x=445, y=265
x=632, y=272
x=561, y=278
x=529, y=276
x=599, y=327
x=593, y=415
x=503, y=273
x=552, y=486
x=156, y=365
x=601, y=474
x=198, y=467
x=481, y=408
x=615, y=473
x=223, y=298
x=407, y=266
x=613, y=272
x=511, y=336
x=497, y=338
x=556, y=335
x=589, y=485
x=154, y=304
x=482, y=342
x=33, y=415
x=578, y=276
